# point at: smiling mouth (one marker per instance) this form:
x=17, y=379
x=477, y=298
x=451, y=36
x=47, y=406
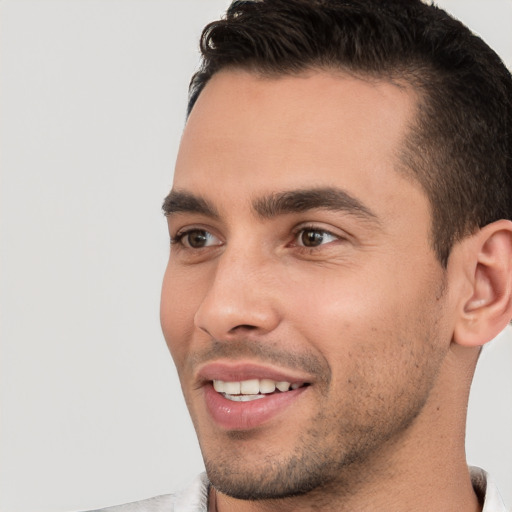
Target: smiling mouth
x=253, y=389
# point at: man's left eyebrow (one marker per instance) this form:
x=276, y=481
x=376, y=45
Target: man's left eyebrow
x=184, y=202
x=302, y=200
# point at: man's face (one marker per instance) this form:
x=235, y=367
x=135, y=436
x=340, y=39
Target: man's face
x=301, y=258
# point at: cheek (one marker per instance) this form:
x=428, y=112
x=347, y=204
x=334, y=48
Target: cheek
x=332, y=311
x=357, y=318
x=178, y=305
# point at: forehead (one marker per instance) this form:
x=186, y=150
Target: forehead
x=260, y=135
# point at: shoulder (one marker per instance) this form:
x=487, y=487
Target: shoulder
x=194, y=498
x=156, y=504
x=486, y=490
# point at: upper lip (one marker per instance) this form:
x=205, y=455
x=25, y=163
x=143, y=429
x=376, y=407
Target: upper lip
x=235, y=371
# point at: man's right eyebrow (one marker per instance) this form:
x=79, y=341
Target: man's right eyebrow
x=184, y=202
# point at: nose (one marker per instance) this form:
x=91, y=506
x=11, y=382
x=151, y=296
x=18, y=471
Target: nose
x=241, y=297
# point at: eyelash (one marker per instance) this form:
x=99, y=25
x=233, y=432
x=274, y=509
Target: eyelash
x=178, y=239
x=312, y=228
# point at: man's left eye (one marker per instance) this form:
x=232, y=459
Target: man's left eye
x=310, y=237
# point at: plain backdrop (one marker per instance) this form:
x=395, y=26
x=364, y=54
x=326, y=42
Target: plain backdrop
x=93, y=97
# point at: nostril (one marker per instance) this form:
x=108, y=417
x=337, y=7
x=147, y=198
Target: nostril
x=243, y=327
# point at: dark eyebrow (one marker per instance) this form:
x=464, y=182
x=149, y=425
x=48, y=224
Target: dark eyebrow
x=302, y=200
x=184, y=202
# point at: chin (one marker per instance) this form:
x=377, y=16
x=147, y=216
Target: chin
x=273, y=483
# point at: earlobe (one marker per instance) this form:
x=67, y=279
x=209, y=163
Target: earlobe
x=487, y=307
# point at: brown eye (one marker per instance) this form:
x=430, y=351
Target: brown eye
x=314, y=237
x=310, y=238
x=198, y=238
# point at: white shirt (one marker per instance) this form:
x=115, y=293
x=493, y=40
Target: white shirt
x=194, y=498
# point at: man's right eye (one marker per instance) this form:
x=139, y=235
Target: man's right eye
x=195, y=239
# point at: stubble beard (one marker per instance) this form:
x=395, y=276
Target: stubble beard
x=329, y=457
x=321, y=462
x=347, y=444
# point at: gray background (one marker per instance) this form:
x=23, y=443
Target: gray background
x=93, y=99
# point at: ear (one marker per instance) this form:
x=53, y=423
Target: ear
x=486, y=304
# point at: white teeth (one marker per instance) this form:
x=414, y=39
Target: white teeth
x=243, y=398
x=267, y=386
x=253, y=387
x=232, y=388
x=250, y=387
x=283, y=386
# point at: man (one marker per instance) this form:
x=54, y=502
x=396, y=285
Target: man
x=341, y=249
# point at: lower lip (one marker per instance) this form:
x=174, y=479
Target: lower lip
x=232, y=415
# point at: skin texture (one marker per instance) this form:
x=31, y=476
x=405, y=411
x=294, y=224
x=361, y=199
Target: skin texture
x=366, y=316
